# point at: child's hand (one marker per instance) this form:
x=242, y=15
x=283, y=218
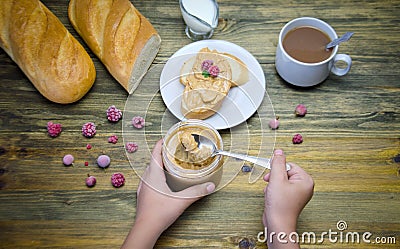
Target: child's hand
x=155, y=199
x=286, y=195
x=157, y=206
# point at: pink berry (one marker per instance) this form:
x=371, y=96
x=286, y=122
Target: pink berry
x=114, y=114
x=274, y=123
x=297, y=139
x=138, y=122
x=53, y=129
x=301, y=110
x=214, y=71
x=68, y=160
x=86, y=163
x=103, y=161
x=131, y=147
x=113, y=139
x=206, y=64
x=90, y=181
x=117, y=180
x=89, y=129
x=88, y=146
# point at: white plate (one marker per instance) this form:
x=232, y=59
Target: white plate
x=240, y=103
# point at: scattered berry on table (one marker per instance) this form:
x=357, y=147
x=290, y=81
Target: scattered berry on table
x=68, y=160
x=53, y=129
x=117, y=180
x=103, y=161
x=88, y=146
x=114, y=114
x=86, y=163
x=131, y=147
x=301, y=110
x=396, y=159
x=297, y=139
x=246, y=243
x=113, y=139
x=138, y=122
x=274, y=123
x=246, y=168
x=89, y=129
x=90, y=181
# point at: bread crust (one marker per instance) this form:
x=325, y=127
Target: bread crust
x=53, y=60
x=117, y=33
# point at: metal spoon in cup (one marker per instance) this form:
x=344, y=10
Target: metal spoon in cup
x=339, y=40
x=203, y=141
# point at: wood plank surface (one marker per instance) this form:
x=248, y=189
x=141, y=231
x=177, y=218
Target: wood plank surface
x=351, y=139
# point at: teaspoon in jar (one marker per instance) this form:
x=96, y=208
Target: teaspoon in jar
x=203, y=141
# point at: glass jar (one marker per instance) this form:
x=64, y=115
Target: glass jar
x=183, y=174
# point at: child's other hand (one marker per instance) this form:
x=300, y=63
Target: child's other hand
x=286, y=194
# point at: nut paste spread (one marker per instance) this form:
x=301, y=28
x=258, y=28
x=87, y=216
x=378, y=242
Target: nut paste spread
x=187, y=155
x=185, y=163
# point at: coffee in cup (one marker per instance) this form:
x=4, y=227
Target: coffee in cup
x=307, y=44
x=301, y=58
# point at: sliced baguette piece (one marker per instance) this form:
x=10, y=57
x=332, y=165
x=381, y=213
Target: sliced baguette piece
x=203, y=96
x=240, y=72
x=119, y=35
x=52, y=59
x=186, y=69
x=194, y=106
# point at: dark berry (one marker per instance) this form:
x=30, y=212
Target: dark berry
x=297, y=139
x=246, y=168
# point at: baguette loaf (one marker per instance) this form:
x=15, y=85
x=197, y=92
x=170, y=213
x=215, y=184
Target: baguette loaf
x=53, y=60
x=121, y=37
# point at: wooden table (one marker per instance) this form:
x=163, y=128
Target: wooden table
x=351, y=140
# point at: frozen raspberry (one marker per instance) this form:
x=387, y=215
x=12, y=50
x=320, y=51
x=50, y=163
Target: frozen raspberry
x=214, y=71
x=297, y=139
x=301, y=110
x=53, y=129
x=117, y=180
x=114, y=114
x=68, y=160
x=274, y=123
x=138, y=122
x=103, y=161
x=89, y=129
x=131, y=147
x=113, y=139
x=86, y=163
x=206, y=64
x=88, y=146
x=90, y=181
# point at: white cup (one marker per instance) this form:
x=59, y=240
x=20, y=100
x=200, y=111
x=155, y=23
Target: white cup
x=308, y=74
